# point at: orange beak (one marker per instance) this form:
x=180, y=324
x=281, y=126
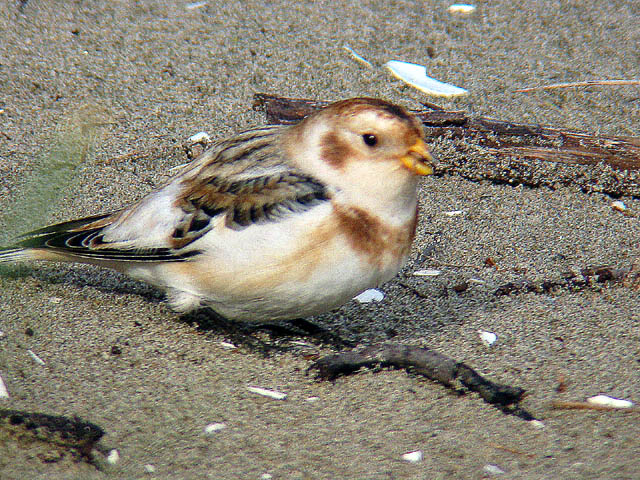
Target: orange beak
x=418, y=159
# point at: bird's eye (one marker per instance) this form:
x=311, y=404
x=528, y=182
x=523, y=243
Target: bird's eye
x=370, y=139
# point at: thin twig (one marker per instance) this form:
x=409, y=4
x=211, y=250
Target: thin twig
x=588, y=83
x=510, y=450
x=564, y=405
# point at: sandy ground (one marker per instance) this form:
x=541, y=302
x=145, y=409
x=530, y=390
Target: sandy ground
x=163, y=72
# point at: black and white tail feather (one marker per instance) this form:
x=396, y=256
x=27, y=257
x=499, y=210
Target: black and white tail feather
x=227, y=183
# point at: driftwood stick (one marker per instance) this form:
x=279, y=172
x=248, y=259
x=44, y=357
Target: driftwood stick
x=480, y=148
x=54, y=429
x=420, y=361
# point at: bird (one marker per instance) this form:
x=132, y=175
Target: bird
x=273, y=223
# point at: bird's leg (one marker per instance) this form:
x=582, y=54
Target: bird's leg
x=304, y=328
x=244, y=333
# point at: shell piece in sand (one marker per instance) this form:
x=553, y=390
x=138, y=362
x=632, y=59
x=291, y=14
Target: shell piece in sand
x=416, y=76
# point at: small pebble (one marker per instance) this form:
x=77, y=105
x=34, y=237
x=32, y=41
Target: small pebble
x=113, y=457
x=371, y=295
x=462, y=8
x=4, y=393
x=413, y=457
x=460, y=287
x=488, y=338
x=149, y=468
x=493, y=469
x=214, y=427
x=266, y=476
x=619, y=206
x=536, y=424
x=268, y=393
x=228, y=346
x=200, y=136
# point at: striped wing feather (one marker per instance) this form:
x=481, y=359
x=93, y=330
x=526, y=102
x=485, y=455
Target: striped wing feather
x=244, y=181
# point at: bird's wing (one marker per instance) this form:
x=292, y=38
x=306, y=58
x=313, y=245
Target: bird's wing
x=237, y=183
x=84, y=238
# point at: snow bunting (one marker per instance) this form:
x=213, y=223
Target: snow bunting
x=277, y=222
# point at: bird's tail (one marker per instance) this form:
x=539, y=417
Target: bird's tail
x=83, y=241
x=12, y=255
x=45, y=243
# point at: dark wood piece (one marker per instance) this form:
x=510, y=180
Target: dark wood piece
x=420, y=361
x=481, y=148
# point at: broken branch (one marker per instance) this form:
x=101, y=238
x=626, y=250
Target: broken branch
x=421, y=361
x=480, y=148
x=587, y=83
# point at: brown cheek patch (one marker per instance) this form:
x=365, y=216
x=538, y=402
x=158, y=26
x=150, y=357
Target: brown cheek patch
x=334, y=151
x=369, y=236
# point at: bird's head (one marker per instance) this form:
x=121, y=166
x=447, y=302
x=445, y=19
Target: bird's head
x=363, y=145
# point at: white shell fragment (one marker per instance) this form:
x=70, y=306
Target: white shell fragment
x=227, y=345
x=311, y=399
x=214, y=427
x=149, y=468
x=536, y=424
x=488, y=338
x=195, y=5
x=113, y=457
x=413, y=457
x=429, y=272
x=35, y=358
x=619, y=206
x=462, y=8
x=4, y=393
x=266, y=476
x=453, y=213
x=416, y=76
x=606, y=401
x=200, y=137
x=476, y=281
x=371, y=295
x=268, y=393
x=357, y=57
x=493, y=469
